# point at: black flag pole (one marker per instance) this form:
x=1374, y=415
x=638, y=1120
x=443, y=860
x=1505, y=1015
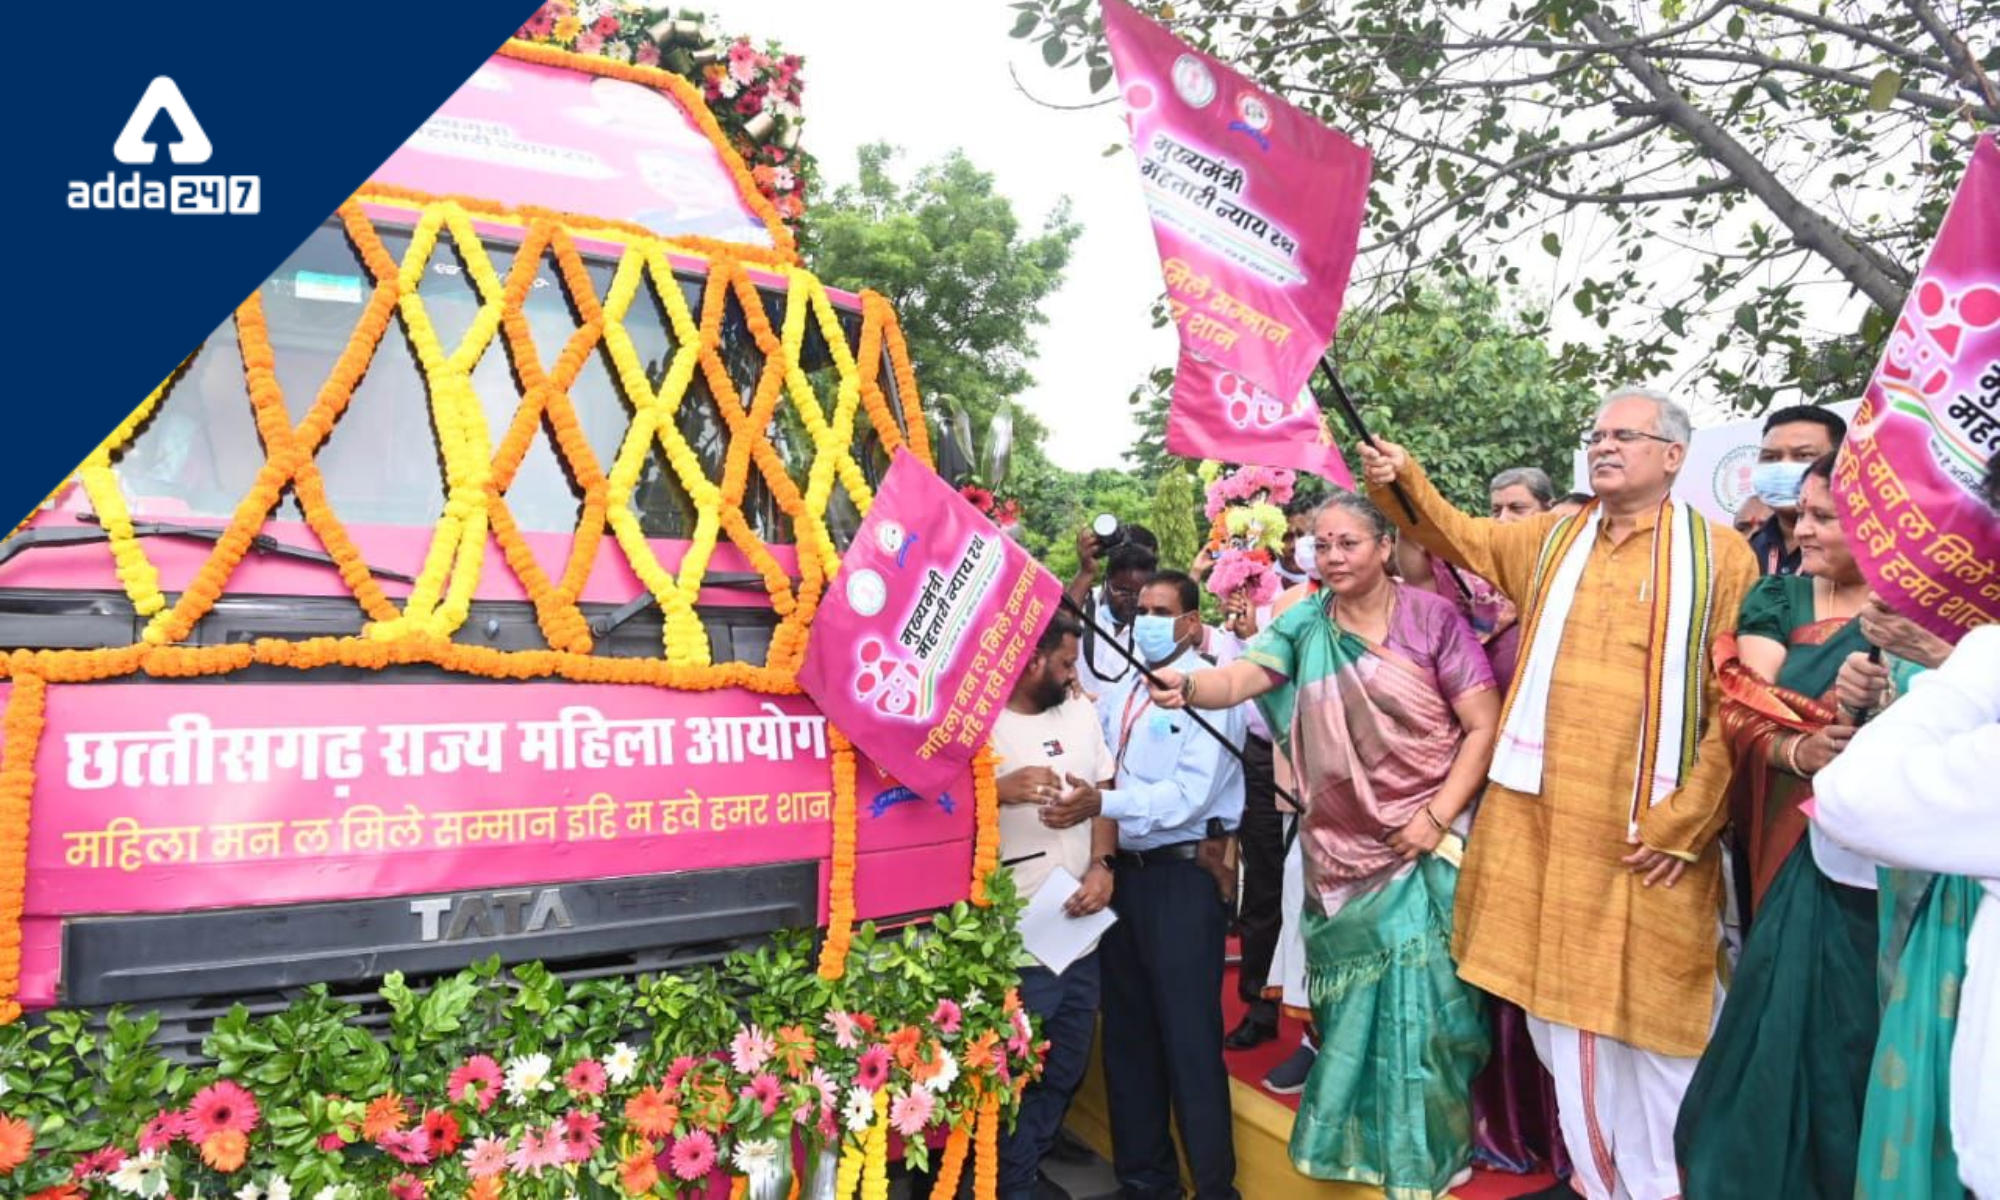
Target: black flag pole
x=1106, y=636
x=1352, y=416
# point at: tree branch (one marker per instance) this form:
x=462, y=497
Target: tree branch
x=1876, y=276
x=1968, y=74
x=1856, y=33
x=1937, y=104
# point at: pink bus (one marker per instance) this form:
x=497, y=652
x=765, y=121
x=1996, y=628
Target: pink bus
x=237, y=836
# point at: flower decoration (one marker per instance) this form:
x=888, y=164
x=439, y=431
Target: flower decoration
x=1247, y=529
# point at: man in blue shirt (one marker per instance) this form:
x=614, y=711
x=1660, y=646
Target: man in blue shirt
x=1176, y=787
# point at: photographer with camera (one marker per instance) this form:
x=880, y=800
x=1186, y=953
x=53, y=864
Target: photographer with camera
x=1127, y=556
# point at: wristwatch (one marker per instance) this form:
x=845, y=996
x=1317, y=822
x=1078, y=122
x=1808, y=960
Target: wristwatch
x=1109, y=862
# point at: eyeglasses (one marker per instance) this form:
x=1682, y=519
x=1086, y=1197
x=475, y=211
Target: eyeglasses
x=1623, y=437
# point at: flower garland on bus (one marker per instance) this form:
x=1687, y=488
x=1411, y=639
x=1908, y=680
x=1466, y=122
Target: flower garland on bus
x=654, y=1086
x=755, y=94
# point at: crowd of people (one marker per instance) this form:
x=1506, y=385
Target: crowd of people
x=1589, y=836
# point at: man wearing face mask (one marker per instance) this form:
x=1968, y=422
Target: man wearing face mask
x=1047, y=737
x=1794, y=438
x=1178, y=794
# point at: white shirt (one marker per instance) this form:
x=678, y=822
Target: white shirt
x=1172, y=774
x=1225, y=648
x=1067, y=740
x=1917, y=788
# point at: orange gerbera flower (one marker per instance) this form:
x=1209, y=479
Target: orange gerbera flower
x=487, y=1188
x=795, y=1048
x=638, y=1172
x=904, y=1044
x=386, y=1114
x=66, y=1190
x=979, y=1052
x=650, y=1113
x=224, y=1149
x=17, y=1137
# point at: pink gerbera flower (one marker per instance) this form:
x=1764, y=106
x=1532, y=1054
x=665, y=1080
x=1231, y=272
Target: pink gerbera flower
x=947, y=1017
x=162, y=1130
x=823, y=1098
x=579, y=1135
x=846, y=1030
x=911, y=1111
x=765, y=1091
x=873, y=1069
x=406, y=1187
x=98, y=1162
x=586, y=1078
x=411, y=1147
x=486, y=1157
x=648, y=54
x=537, y=1151
x=677, y=1071
x=751, y=1049
x=219, y=1106
x=693, y=1156
x=477, y=1082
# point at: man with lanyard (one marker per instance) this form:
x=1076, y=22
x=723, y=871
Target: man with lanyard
x=1178, y=795
x=1045, y=736
x=1794, y=438
x=1101, y=669
x=1591, y=893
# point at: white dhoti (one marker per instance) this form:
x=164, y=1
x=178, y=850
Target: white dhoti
x=1288, y=961
x=1617, y=1105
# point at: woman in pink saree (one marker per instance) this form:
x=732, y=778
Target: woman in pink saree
x=1383, y=699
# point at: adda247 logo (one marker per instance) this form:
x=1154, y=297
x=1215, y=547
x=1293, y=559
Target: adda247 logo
x=178, y=193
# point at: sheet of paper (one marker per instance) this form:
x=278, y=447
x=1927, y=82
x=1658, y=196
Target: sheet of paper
x=1052, y=935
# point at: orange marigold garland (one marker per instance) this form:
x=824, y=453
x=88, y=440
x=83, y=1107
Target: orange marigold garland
x=986, y=815
x=953, y=1163
x=986, y=1160
x=20, y=736
x=840, y=869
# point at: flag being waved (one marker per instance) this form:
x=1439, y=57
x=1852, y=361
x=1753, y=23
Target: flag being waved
x=1257, y=210
x=1908, y=479
x=933, y=615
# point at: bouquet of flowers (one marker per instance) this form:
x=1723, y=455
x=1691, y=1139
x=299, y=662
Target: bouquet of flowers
x=1246, y=528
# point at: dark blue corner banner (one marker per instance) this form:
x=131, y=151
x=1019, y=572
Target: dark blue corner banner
x=118, y=266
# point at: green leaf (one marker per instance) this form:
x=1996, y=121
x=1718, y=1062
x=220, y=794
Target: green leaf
x=1025, y=25
x=1736, y=26
x=1099, y=76
x=1882, y=92
x=1776, y=91
x=1746, y=318
x=1053, y=49
x=1552, y=244
x=1675, y=320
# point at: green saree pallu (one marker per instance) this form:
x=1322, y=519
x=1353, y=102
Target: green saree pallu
x=1905, y=1145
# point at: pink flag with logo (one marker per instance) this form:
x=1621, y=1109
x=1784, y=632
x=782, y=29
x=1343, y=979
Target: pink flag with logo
x=933, y=615
x=1908, y=481
x=1257, y=211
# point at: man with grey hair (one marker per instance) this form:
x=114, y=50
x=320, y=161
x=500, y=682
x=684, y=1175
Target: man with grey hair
x=1519, y=492
x=1592, y=885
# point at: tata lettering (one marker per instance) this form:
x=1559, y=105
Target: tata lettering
x=490, y=914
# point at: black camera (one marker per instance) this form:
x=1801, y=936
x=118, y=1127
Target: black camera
x=1109, y=532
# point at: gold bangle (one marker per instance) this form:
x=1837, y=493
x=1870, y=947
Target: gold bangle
x=1435, y=823
x=1792, y=755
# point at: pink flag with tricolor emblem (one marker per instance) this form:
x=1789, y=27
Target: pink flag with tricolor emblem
x=1908, y=482
x=932, y=617
x=1257, y=211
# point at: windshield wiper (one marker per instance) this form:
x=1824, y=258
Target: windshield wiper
x=745, y=581
x=77, y=535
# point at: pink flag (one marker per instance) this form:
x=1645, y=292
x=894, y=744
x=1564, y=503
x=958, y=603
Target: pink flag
x=1908, y=479
x=933, y=615
x=1257, y=211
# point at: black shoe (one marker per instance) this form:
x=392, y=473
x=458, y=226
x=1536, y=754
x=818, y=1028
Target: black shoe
x=1049, y=1189
x=1068, y=1148
x=1288, y=1078
x=1561, y=1191
x=1250, y=1033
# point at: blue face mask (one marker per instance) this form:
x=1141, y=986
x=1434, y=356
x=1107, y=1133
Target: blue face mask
x=1154, y=637
x=1777, y=483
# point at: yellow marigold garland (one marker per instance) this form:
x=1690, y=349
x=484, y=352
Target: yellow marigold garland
x=853, y=1152
x=986, y=828
x=840, y=870
x=875, y=1166
x=22, y=728
x=138, y=575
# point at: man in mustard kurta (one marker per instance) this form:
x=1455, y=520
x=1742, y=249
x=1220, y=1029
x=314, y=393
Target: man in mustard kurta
x=1592, y=888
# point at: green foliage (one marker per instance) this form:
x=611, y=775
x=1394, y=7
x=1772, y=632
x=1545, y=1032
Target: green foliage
x=1176, y=516
x=1469, y=388
x=966, y=279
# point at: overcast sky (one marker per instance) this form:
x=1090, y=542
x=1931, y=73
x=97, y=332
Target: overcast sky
x=931, y=76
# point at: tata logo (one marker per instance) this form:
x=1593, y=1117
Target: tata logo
x=188, y=194
x=490, y=914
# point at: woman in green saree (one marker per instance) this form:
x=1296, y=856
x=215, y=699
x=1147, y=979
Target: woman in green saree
x=1384, y=702
x=1774, y=1108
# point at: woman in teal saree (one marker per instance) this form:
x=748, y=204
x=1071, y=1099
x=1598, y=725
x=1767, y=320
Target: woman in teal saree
x=1384, y=702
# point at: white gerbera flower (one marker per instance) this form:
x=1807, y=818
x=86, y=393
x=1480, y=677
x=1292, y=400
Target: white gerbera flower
x=278, y=1188
x=526, y=1075
x=142, y=1175
x=859, y=1111
x=621, y=1064
x=947, y=1074
x=757, y=1158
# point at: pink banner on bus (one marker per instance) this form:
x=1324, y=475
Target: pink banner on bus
x=526, y=134
x=164, y=797
x=1909, y=476
x=932, y=617
x=1257, y=210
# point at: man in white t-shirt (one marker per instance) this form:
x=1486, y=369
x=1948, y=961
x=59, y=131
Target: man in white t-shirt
x=1048, y=739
